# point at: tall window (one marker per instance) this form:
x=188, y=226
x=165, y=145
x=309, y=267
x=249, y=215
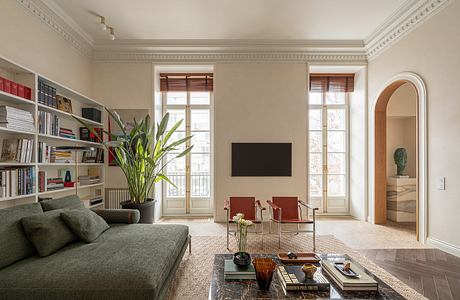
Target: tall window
x=192, y=174
x=328, y=146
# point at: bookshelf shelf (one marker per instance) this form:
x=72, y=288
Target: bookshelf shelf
x=16, y=164
x=23, y=76
x=66, y=189
x=15, y=131
x=15, y=99
x=87, y=186
x=68, y=115
x=77, y=141
x=18, y=197
x=69, y=164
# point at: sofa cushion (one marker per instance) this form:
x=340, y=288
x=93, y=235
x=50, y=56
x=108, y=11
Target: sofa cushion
x=72, y=201
x=48, y=232
x=84, y=223
x=127, y=216
x=14, y=244
x=126, y=262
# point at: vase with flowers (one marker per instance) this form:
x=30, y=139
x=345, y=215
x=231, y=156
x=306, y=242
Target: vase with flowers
x=241, y=258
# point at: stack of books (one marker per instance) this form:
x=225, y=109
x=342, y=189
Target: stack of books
x=61, y=156
x=48, y=123
x=87, y=135
x=292, y=278
x=56, y=183
x=66, y=133
x=47, y=94
x=93, y=156
x=361, y=282
x=234, y=272
x=17, y=119
x=17, y=150
x=16, y=182
x=87, y=180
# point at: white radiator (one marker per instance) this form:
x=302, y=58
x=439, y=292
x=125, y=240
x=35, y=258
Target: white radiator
x=115, y=196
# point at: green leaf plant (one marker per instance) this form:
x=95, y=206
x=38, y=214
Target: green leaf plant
x=141, y=153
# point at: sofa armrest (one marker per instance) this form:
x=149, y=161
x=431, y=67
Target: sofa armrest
x=128, y=216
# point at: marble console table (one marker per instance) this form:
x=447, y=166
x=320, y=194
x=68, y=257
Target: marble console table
x=401, y=199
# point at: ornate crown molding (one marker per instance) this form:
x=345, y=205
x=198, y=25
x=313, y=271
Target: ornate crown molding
x=55, y=18
x=410, y=16
x=229, y=57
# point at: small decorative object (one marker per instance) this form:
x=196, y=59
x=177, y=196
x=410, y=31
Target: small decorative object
x=265, y=267
x=345, y=269
x=400, y=158
x=64, y=104
x=241, y=258
x=309, y=270
x=346, y=266
x=68, y=177
x=291, y=255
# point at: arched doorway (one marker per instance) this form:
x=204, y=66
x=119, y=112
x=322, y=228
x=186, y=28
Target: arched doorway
x=378, y=152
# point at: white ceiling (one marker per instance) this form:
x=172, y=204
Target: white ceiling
x=232, y=19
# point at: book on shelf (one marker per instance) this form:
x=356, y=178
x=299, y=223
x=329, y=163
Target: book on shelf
x=17, y=181
x=93, y=156
x=17, y=119
x=234, y=272
x=292, y=278
x=48, y=123
x=47, y=94
x=17, y=150
x=363, y=282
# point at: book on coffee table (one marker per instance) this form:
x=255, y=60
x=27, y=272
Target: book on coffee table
x=361, y=282
x=292, y=278
x=234, y=272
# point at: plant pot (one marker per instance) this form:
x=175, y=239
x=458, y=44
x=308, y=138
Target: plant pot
x=146, y=210
x=242, y=259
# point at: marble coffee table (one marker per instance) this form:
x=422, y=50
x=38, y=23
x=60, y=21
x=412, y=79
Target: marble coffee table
x=248, y=289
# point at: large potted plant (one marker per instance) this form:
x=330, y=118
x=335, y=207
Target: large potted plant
x=141, y=153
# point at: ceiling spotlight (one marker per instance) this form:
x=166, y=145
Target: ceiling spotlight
x=112, y=33
x=103, y=25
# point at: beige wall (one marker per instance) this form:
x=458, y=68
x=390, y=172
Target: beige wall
x=432, y=51
x=31, y=43
x=122, y=86
x=259, y=103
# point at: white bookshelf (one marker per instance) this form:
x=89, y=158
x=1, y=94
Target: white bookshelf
x=29, y=78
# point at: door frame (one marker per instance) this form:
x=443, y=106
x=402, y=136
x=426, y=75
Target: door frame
x=376, y=198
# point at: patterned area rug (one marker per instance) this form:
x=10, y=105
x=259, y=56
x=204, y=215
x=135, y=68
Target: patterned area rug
x=193, y=277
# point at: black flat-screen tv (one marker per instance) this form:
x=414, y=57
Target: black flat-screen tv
x=261, y=159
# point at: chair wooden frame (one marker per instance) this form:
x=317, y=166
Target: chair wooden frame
x=258, y=220
x=273, y=207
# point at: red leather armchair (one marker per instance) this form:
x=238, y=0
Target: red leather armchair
x=252, y=210
x=288, y=210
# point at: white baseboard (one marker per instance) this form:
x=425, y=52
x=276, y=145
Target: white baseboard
x=449, y=248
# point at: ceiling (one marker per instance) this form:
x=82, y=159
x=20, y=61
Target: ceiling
x=232, y=19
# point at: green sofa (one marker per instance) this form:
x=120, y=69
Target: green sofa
x=128, y=261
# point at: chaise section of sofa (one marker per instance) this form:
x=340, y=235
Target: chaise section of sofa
x=128, y=261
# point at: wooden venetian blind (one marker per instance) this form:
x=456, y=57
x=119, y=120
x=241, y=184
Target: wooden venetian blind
x=186, y=82
x=334, y=83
